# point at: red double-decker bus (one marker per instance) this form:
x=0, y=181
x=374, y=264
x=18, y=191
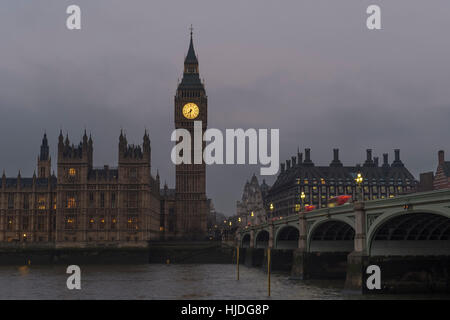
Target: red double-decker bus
x=339, y=201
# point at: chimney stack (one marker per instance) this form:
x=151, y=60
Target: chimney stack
x=336, y=162
x=375, y=160
x=300, y=157
x=369, y=155
x=308, y=162
x=369, y=162
x=385, y=160
x=397, y=162
x=441, y=158
x=307, y=155
x=335, y=154
x=397, y=154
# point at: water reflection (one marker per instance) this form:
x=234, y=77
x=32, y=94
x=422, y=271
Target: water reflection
x=159, y=281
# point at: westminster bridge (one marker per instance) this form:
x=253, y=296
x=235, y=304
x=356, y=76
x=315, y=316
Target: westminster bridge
x=408, y=237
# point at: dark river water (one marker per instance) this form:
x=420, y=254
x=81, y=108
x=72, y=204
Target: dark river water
x=156, y=281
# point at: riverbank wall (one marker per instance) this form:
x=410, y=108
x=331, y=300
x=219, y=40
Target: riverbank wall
x=154, y=252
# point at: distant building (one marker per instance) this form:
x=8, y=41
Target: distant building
x=320, y=183
x=426, y=181
x=442, y=176
x=250, y=209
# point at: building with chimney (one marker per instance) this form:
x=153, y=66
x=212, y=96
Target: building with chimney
x=442, y=176
x=320, y=183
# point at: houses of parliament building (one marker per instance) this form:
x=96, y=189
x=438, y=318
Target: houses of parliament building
x=123, y=206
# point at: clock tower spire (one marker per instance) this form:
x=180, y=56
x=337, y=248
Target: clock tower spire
x=191, y=104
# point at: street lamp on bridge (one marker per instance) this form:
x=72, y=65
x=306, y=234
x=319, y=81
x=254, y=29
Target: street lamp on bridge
x=359, y=179
x=302, y=197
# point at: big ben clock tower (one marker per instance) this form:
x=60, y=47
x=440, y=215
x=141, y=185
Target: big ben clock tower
x=191, y=104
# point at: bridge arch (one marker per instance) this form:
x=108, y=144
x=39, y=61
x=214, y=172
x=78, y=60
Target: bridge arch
x=262, y=239
x=331, y=235
x=412, y=232
x=245, y=242
x=287, y=237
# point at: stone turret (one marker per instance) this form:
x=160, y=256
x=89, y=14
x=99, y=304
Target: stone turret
x=44, y=162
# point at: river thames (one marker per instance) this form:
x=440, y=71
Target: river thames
x=157, y=281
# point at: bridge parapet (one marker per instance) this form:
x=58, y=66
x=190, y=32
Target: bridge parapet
x=371, y=216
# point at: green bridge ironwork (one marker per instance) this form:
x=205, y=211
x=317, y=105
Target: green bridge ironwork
x=414, y=224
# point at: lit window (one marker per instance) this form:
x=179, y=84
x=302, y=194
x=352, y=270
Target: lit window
x=69, y=222
x=102, y=222
x=71, y=203
x=132, y=223
x=297, y=207
x=72, y=172
x=41, y=203
x=113, y=223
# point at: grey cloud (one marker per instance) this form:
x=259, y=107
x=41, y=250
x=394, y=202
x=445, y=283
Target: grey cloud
x=309, y=68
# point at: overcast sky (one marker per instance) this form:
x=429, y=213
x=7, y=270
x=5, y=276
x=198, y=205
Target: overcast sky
x=309, y=68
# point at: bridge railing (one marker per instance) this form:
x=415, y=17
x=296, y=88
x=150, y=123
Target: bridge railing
x=408, y=199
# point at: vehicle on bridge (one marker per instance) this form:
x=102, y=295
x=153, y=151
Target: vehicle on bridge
x=310, y=208
x=333, y=202
x=339, y=201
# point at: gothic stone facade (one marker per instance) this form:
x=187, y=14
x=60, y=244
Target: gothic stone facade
x=85, y=205
x=122, y=206
x=250, y=209
x=190, y=192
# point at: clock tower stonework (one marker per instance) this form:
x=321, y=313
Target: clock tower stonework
x=190, y=183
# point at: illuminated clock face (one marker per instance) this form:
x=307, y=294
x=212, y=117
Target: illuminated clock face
x=190, y=110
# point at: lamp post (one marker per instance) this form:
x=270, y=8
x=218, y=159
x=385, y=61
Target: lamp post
x=302, y=197
x=359, y=179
